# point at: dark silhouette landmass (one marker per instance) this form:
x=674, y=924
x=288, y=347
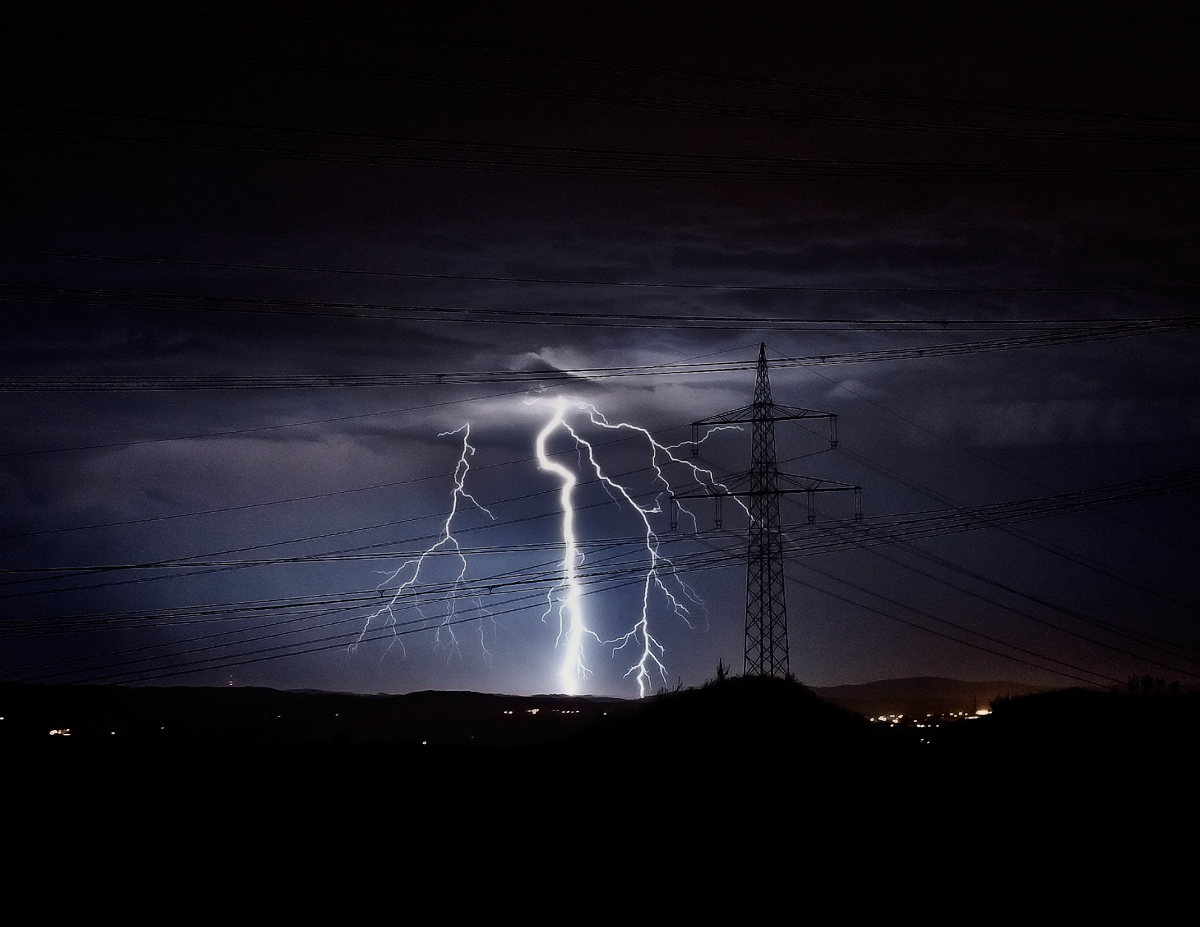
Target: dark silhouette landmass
x=727, y=768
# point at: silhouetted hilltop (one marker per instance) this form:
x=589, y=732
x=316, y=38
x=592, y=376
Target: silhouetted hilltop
x=736, y=717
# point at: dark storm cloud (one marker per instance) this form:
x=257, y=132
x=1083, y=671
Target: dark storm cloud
x=240, y=233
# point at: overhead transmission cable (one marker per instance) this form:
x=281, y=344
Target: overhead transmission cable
x=151, y=382
x=634, y=284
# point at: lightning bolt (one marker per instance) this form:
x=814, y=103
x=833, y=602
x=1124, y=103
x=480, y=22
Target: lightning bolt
x=565, y=598
x=660, y=572
x=446, y=543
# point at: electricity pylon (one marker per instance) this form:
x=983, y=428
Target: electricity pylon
x=766, y=608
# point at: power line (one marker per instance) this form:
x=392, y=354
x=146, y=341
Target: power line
x=1121, y=329
x=558, y=281
x=801, y=538
x=602, y=574
x=407, y=313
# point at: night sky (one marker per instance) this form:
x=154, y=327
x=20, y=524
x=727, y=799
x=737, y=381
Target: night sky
x=260, y=260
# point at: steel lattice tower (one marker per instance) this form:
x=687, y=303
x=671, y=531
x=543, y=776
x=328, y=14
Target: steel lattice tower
x=766, y=606
x=766, y=652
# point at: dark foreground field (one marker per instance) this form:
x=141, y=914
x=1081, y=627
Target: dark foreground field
x=726, y=785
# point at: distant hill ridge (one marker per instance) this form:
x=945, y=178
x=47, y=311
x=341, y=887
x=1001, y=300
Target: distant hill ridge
x=921, y=695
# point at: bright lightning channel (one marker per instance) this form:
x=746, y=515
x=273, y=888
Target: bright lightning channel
x=571, y=627
x=445, y=543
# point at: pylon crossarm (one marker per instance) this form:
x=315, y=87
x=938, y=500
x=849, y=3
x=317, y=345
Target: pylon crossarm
x=774, y=413
x=813, y=484
x=733, y=486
